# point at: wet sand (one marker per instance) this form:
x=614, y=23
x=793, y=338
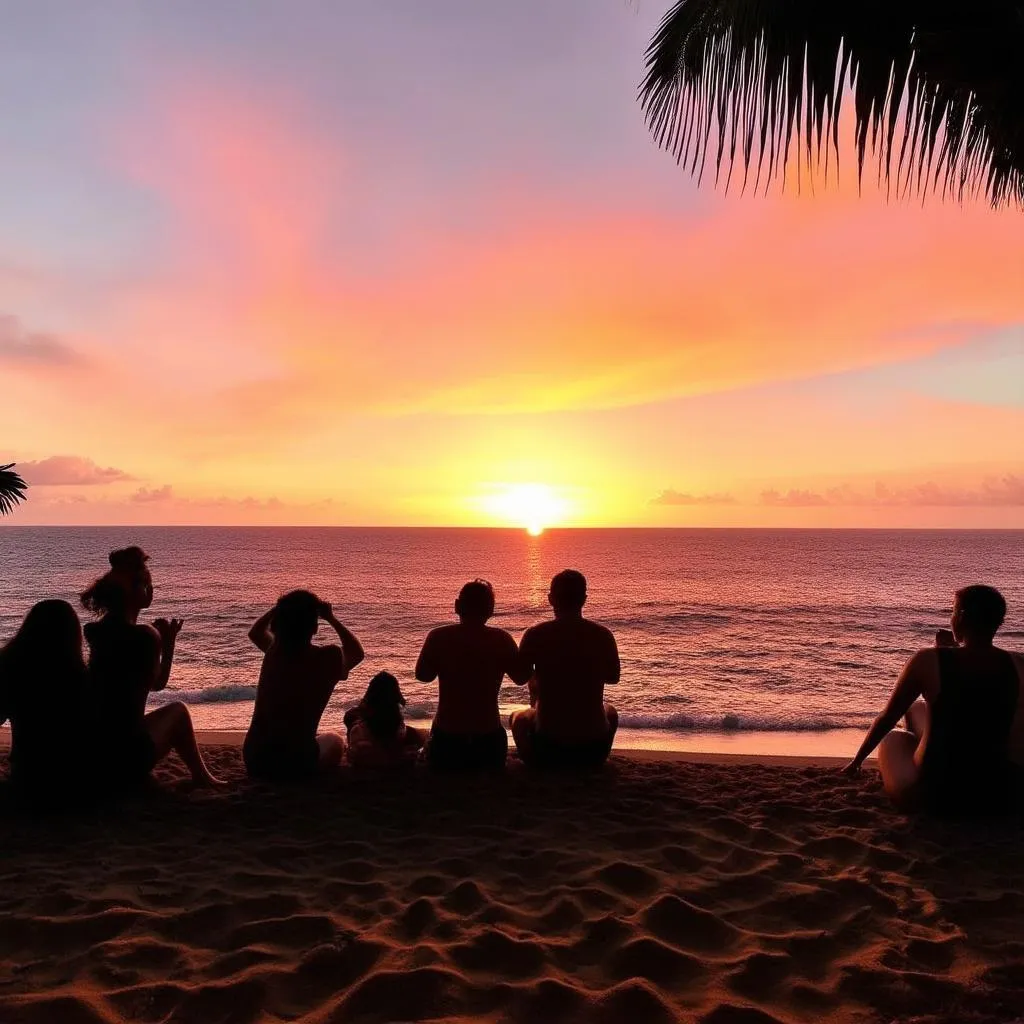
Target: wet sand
x=661, y=889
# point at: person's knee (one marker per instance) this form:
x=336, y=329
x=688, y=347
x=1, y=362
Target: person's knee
x=890, y=745
x=917, y=717
x=612, y=715
x=332, y=747
x=521, y=724
x=897, y=766
x=178, y=718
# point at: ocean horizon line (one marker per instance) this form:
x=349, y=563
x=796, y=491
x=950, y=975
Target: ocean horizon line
x=511, y=529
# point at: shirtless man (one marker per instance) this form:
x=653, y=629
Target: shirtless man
x=572, y=660
x=469, y=659
x=296, y=681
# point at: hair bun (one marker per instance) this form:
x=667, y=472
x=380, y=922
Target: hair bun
x=130, y=559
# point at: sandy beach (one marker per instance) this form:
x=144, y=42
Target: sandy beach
x=662, y=889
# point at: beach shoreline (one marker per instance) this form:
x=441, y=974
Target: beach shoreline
x=832, y=748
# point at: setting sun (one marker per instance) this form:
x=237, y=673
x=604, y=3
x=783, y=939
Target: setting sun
x=534, y=507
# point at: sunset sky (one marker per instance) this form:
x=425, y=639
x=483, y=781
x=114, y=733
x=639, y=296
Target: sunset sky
x=418, y=262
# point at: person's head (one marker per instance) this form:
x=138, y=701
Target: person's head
x=296, y=615
x=126, y=589
x=978, y=612
x=568, y=592
x=475, y=602
x=49, y=640
x=382, y=705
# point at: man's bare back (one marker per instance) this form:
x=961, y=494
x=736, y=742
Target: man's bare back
x=469, y=660
x=573, y=659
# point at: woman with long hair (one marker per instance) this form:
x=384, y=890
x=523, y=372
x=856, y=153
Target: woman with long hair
x=43, y=691
x=129, y=660
x=377, y=734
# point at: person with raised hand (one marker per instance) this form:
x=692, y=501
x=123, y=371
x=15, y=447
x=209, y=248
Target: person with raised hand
x=128, y=660
x=296, y=682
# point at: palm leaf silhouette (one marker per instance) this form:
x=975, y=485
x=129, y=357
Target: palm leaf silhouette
x=937, y=90
x=12, y=489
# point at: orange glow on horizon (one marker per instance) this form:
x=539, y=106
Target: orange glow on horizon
x=533, y=507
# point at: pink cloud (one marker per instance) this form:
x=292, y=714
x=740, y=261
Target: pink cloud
x=671, y=497
x=148, y=496
x=792, y=499
x=21, y=346
x=70, y=471
x=999, y=492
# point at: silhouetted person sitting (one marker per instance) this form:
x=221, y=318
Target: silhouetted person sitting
x=128, y=661
x=377, y=734
x=572, y=660
x=469, y=659
x=296, y=682
x=963, y=747
x=44, y=693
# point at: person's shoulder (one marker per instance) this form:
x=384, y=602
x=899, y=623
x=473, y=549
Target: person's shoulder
x=541, y=629
x=330, y=654
x=599, y=629
x=146, y=633
x=500, y=636
x=1017, y=658
x=443, y=632
x=926, y=660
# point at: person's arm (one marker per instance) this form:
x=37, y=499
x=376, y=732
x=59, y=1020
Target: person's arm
x=613, y=667
x=528, y=657
x=908, y=688
x=426, y=664
x=351, y=648
x=5, y=702
x=159, y=640
x=518, y=667
x=260, y=633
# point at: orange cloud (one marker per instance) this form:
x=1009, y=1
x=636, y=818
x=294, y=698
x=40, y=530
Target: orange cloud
x=672, y=497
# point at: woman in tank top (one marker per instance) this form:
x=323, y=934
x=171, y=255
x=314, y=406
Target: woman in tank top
x=963, y=746
x=128, y=661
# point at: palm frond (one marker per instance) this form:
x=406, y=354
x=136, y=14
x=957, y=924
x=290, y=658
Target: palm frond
x=12, y=489
x=937, y=90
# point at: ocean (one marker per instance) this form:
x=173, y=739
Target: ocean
x=753, y=640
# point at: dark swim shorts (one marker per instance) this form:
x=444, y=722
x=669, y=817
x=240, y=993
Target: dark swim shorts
x=552, y=753
x=453, y=752
x=282, y=762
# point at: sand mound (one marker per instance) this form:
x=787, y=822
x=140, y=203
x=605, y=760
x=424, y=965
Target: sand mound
x=653, y=892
